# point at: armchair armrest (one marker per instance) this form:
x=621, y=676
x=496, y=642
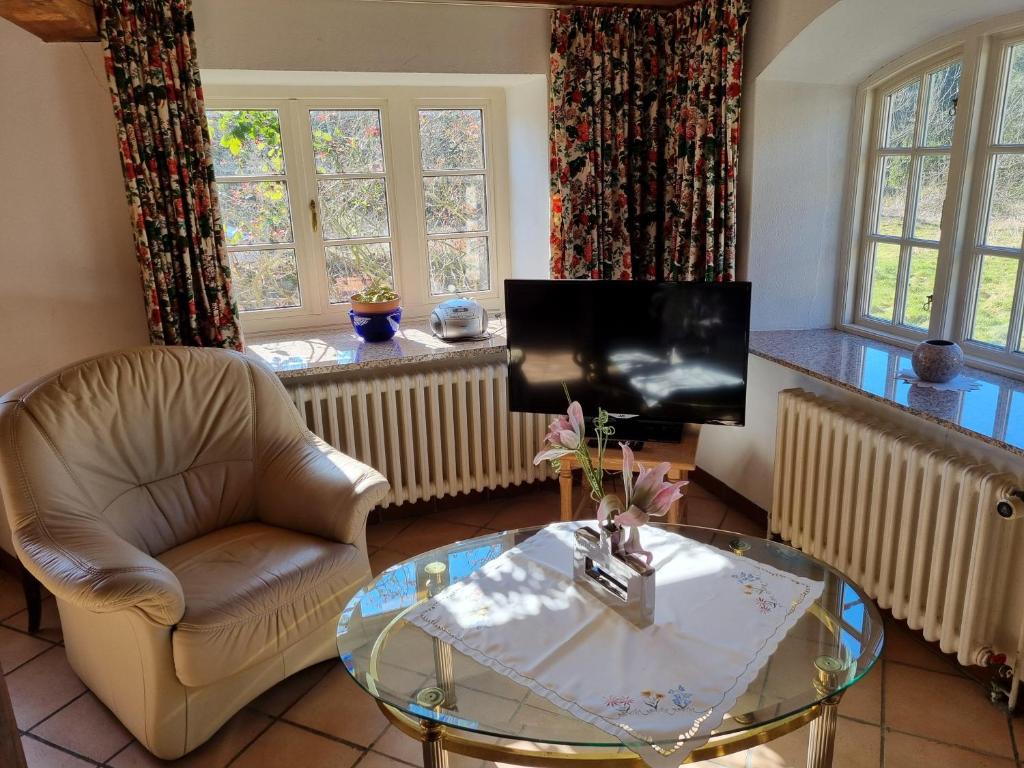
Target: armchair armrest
x=313, y=488
x=95, y=569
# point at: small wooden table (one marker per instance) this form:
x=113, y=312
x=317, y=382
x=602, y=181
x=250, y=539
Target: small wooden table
x=681, y=457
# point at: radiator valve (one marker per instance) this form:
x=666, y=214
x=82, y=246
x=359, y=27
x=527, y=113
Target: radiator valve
x=1011, y=507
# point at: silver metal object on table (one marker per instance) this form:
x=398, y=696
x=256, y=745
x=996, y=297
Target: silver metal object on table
x=623, y=581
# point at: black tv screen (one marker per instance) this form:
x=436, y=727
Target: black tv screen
x=657, y=352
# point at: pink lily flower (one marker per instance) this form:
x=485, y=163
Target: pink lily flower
x=565, y=435
x=650, y=496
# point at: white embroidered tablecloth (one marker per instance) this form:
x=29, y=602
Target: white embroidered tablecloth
x=661, y=689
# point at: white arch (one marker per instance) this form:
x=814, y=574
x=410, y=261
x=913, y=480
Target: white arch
x=854, y=38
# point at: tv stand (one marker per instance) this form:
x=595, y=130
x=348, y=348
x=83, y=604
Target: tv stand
x=680, y=455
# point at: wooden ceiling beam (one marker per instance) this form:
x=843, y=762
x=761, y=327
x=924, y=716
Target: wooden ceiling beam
x=53, y=21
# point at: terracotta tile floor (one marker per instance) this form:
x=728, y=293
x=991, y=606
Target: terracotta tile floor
x=915, y=710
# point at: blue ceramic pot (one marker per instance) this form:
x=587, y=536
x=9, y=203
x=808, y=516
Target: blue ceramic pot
x=371, y=326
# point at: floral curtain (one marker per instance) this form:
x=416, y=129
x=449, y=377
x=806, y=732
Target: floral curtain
x=645, y=119
x=164, y=141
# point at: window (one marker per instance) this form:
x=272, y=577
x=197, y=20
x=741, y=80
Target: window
x=351, y=200
x=255, y=207
x=322, y=196
x=940, y=246
x=453, y=168
x=996, y=302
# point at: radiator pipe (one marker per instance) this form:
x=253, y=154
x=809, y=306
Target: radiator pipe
x=1015, y=678
x=1011, y=507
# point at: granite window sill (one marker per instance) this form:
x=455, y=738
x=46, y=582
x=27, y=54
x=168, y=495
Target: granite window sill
x=994, y=413
x=324, y=352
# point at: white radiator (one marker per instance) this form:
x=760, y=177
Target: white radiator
x=914, y=525
x=432, y=434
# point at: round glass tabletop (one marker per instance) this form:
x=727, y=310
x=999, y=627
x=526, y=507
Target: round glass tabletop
x=396, y=661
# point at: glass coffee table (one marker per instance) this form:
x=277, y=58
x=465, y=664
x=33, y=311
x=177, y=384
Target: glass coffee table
x=451, y=703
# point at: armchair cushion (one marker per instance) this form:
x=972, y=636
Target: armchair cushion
x=251, y=591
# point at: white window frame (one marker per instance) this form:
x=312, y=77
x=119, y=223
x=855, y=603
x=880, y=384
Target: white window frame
x=980, y=48
x=399, y=112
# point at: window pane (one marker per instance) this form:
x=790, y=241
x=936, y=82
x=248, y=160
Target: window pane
x=884, y=267
x=943, y=91
x=346, y=141
x=920, y=286
x=931, y=194
x=454, y=204
x=353, y=208
x=901, y=111
x=350, y=268
x=1011, y=128
x=255, y=212
x=458, y=265
x=265, y=279
x=451, y=139
x=994, y=299
x=1006, y=202
x=892, y=198
x=246, y=142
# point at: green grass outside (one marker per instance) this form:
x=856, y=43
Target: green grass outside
x=996, y=287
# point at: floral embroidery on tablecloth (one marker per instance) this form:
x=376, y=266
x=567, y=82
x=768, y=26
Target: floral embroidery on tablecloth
x=648, y=702
x=756, y=587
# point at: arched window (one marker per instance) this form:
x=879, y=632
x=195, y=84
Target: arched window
x=938, y=224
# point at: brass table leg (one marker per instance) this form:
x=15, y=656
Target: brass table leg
x=822, y=740
x=821, y=744
x=434, y=755
x=445, y=671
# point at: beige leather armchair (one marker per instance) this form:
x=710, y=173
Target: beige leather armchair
x=200, y=541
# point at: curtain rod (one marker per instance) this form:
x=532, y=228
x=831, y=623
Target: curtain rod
x=667, y=6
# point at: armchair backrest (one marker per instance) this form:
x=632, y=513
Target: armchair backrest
x=159, y=444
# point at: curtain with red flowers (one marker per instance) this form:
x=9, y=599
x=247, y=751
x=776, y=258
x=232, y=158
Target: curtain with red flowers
x=150, y=57
x=645, y=119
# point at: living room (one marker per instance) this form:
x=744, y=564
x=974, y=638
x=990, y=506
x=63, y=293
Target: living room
x=314, y=490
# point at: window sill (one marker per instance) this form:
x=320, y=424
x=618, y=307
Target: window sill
x=333, y=350
x=993, y=414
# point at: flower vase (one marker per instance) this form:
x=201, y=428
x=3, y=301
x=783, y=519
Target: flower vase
x=621, y=580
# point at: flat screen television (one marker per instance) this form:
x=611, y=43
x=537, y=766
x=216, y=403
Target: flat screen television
x=655, y=355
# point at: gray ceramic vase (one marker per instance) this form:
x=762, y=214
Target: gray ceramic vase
x=938, y=360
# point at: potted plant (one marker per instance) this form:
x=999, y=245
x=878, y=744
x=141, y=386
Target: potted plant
x=375, y=312
x=377, y=299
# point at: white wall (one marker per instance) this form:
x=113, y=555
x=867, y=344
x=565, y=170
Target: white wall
x=530, y=212
x=773, y=25
x=798, y=177
x=354, y=36
x=70, y=283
